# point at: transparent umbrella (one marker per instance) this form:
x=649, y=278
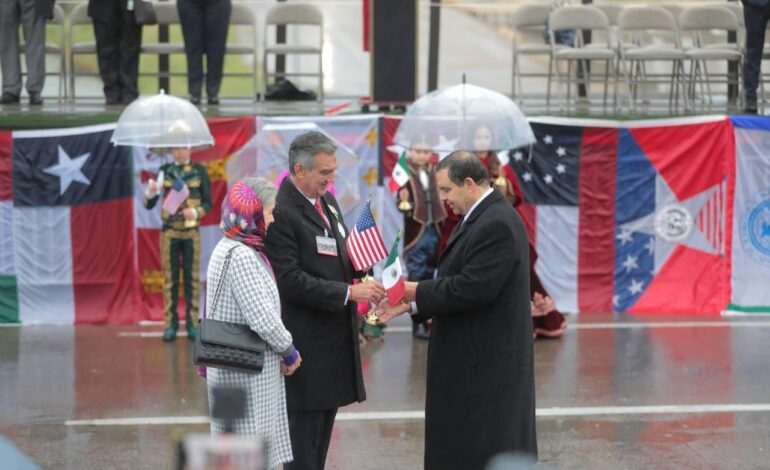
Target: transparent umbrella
x=267, y=154
x=162, y=121
x=448, y=120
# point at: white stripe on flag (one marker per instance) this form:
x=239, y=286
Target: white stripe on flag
x=6, y=239
x=44, y=264
x=557, y=254
x=750, y=263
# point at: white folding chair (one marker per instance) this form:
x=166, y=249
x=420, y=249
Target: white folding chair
x=582, y=18
x=638, y=25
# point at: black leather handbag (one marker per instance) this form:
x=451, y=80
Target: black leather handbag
x=144, y=13
x=226, y=345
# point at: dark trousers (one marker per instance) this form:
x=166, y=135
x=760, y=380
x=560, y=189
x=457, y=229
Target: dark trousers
x=204, y=27
x=310, y=433
x=184, y=245
x=118, y=40
x=756, y=19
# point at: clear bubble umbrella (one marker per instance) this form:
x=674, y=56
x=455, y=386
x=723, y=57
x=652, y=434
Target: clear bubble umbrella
x=267, y=154
x=448, y=120
x=160, y=122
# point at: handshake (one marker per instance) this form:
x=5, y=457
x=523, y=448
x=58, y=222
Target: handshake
x=374, y=292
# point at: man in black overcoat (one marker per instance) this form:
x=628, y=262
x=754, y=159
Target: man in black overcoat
x=480, y=396
x=306, y=247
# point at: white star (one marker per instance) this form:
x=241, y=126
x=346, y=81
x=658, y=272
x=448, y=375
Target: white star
x=650, y=246
x=560, y=169
x=527, y=177
x=615, y=300
x=68, y=170
x=561, y=151
x=548, y=139
x=630, y=263
x=518, y=156
x=625, y=236
x=548, y=179
x=635, y=287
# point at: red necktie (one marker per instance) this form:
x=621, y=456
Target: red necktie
x=321, y=211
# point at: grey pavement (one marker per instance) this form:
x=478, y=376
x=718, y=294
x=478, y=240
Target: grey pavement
x=615, y=392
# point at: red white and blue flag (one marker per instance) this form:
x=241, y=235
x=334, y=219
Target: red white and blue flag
x=630, y=219
x=364, y=244
x=73, y=233
x=179, y=192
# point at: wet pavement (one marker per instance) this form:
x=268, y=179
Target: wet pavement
x=615, y=392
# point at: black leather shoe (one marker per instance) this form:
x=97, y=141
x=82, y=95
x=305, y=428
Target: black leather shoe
x=35, y=99
x=195, y=99
x=9, y=98
x=169, y=334
x=213, y=100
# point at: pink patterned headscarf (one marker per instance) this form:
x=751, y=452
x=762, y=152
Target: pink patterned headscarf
x=243, y=218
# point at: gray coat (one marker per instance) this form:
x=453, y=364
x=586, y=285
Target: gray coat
x=249, y=296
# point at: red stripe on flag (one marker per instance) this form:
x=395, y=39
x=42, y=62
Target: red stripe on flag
x=596, y=244
x=230, y=134
x=103, y=274
x=6, y=166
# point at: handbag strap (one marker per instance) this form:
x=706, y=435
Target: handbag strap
x=222, y=277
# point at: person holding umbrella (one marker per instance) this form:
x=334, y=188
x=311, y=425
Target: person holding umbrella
x=170, y=125
x=187, y=198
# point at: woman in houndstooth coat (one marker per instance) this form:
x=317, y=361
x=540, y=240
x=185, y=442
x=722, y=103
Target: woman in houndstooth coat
x=248, y=295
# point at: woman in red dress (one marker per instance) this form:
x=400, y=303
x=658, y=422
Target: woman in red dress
x=547, y=321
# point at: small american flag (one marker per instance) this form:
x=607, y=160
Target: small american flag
x=365, y=245
x=176, y=196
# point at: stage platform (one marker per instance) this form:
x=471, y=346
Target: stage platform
x=616, y=392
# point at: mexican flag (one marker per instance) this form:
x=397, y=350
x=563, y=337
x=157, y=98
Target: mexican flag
x=392, y=276
x=400, y=175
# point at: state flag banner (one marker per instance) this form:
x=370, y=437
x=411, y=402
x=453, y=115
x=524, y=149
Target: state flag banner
x=751, y=216
x=629, y=217
x=73, y=227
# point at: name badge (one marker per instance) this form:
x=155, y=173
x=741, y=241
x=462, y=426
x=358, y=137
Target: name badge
x=326, y=245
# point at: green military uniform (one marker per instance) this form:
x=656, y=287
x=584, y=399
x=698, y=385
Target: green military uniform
x=181, y=237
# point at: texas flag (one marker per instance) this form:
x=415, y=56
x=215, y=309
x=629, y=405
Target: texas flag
x=629, y=219
x=73, y=227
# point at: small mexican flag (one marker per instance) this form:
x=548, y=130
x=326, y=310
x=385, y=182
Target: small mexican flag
x=392, y=276
x=400, y=175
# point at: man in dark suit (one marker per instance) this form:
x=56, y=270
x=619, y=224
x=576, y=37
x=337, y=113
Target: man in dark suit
x=480, y=396
x=756, y=14
x=306, y=247
x=118, y=41
x=32, y=15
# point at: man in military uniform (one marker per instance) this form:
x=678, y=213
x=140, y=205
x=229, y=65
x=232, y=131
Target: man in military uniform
x=180, y=238
x=423, y=213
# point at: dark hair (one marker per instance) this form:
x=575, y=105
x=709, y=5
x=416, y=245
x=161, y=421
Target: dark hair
x=463, y=164
x=305, y=147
